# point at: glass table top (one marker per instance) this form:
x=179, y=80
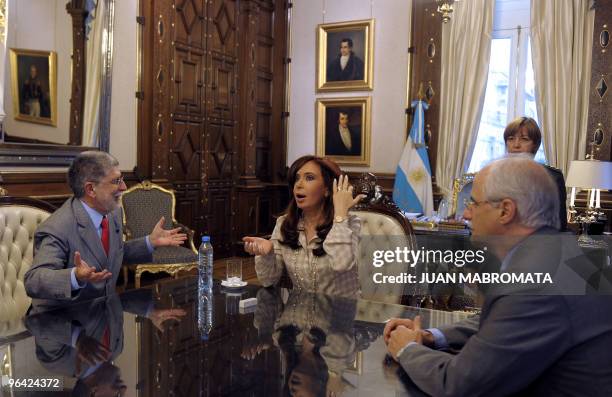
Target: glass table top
x=172, y=340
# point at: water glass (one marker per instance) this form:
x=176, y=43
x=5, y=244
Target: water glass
x=233, y=272
x=443, y=209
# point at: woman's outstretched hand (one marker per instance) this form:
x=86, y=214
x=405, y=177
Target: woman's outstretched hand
x=343, y=196
x=257, y=246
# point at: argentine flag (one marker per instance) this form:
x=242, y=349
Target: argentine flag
x=412, y=191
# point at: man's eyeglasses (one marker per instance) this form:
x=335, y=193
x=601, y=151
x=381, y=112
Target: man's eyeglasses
x=470, y=203
x=116, y=181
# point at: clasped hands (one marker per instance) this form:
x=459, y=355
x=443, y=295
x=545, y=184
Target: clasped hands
x=401, y=331
x=343, y=201
x=159, y=237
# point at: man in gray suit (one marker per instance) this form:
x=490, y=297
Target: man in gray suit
x=538, y=339
x=79, y=250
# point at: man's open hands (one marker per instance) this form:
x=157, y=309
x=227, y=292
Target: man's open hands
x=161, y=237
x=85, y=273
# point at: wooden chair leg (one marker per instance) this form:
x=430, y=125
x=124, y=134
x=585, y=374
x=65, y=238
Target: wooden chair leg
x=137, y=275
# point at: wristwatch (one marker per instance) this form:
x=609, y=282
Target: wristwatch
x=339, y=219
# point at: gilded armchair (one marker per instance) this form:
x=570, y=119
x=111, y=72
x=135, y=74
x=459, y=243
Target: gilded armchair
x=462, y=190
x=143, y=205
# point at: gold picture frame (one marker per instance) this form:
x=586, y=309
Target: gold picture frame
x=351, y=115
x=34, y=102
x=462, y=189
x=355, y=38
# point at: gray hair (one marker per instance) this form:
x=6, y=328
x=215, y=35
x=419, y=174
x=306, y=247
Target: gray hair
x=529, y=185
x=90, y=166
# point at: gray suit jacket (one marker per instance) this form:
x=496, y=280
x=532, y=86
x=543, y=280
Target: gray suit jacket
x=56, y=240
x=53, y=329
x=524, y=344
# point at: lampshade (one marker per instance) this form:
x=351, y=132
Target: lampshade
x=590, y=174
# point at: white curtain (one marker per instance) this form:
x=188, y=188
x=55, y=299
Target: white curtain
x=466, y=48
x=93, y=52
x=562, y=39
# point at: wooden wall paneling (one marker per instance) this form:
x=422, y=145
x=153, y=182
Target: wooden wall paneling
x=599, y=130
x=248, y=86
x=264, y=41
x=161, y=124
x=280, y=62
x=600, y=102
x=198, y=132
x=76, y=9
x=188, y=207
x=188, y=95
x=147, y=86
x=185, y=150
x=219, y=160
x=247, y=216
x=426, y=31
x=218, y=216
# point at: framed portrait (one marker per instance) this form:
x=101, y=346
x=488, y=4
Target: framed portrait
x=345, y=53
x=343, y=130
x=33, y=83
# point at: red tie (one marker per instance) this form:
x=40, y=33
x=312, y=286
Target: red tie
x=104, y=236
x=106, y=338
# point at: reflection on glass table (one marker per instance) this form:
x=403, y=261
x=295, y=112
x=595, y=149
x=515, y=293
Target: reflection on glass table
x=149, y=342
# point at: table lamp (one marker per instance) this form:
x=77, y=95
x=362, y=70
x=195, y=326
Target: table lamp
x=593, y=175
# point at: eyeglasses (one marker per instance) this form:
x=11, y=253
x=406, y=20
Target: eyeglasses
x=470, y=203
x=116, y=181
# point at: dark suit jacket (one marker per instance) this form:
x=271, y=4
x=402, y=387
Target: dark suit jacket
x=557, y=175
x=334, y=145
x=553, y=344
x=353, y=70
x=70, y=229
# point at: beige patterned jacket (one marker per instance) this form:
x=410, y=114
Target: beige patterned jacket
x=335, y=273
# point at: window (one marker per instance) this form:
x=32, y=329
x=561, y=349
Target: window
x=510, y=91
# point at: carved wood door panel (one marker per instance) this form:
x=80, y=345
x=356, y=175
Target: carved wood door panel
x=219, y=169
x=196, y=132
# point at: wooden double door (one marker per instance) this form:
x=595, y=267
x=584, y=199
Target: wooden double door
x=210, y=110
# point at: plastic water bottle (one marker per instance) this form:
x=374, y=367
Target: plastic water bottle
x=205, y=265
x=205, y=313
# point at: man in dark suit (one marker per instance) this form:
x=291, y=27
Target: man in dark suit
x=537, y=339
x=347, y=66
x=342, y=140
x=79, y=250
x=523, y=135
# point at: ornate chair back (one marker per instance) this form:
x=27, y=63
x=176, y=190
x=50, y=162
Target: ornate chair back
x=383, y=227
x=19, y=218
x=143, y=205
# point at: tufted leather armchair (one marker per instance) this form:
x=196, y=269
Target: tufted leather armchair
x=19, y=218
x=143, y=205
x=383, y=228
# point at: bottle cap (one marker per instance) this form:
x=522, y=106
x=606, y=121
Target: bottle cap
x=205, y=239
